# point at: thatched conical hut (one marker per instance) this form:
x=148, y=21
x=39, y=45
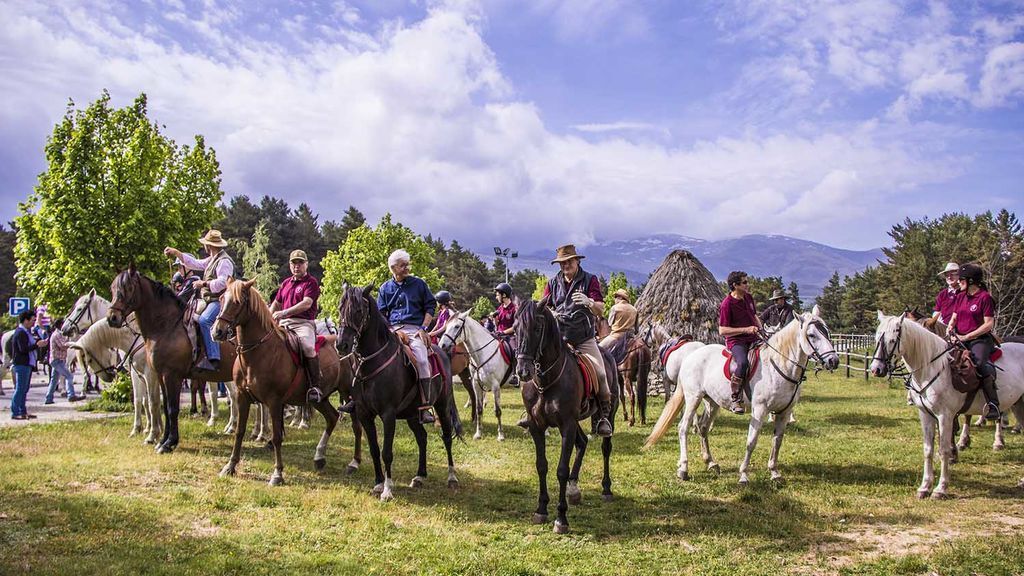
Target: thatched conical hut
x=683, y=298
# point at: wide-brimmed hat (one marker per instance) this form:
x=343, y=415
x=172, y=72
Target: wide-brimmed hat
x=621, y=293
x=213, y=238
x=298, y=255
x=950, y=267
x=778, y=294
x=565, y=253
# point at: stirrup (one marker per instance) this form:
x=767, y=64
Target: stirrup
x=314, y=395
x=348, y=407
x=604, y=428
x=425, y=416
x=524, y=422
x=736, y=406
x=992, y=411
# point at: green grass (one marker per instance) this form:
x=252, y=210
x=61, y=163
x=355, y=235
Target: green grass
x=83, y=498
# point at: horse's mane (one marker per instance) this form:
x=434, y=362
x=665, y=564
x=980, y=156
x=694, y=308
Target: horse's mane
x=257, y=307
x=100, y=335
x=353, y=294
x=785, y=340
x=917, y=341
x=528, y=313
x=160, y=290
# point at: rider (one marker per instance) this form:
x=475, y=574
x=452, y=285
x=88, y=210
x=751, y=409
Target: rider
x=295, y=307
x=779, y=313
x=945, y=300
x=575, y=297
x=408, y=304
x=217, y=268
x=183, y=280
x=622, y=318
x=739, y=324
x=444, y=314
x=973, y=319
x=505, y=315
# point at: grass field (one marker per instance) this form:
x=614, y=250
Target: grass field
x=83, y=498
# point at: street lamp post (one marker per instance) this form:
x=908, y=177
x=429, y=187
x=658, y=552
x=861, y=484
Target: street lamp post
x=505, y=253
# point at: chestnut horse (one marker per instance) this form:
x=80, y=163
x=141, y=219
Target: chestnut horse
x=160, y=315
x=266, y=373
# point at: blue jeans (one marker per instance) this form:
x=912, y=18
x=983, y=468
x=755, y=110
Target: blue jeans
x=206, y=321
x=22, y=375
x=58, y=370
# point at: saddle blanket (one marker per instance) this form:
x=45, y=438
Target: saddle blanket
x=669, y=347
x=753, y=358
x=293, y=347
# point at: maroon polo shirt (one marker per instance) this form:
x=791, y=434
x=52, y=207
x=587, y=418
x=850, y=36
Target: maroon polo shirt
x=505, y=317
x=736, y=313
x=945, y=301
x=972, y=310
x=292, y=292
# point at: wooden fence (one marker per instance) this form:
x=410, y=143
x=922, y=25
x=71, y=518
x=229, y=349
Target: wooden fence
x=854, y=353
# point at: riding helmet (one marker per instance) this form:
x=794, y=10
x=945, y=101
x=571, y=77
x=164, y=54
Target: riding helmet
x=443, y=297
x=504, y=288
x=972, y=273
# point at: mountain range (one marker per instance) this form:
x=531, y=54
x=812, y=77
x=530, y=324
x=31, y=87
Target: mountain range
x=807, y=263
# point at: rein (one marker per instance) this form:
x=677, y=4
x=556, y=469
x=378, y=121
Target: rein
x=541, y=372
x=78, y=317
x=472, y=359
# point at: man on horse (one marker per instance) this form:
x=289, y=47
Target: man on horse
x=295, y=307
x=945, y=300
x=739, y=324
x=409, y=306
x=575, y=297
x=779, y=313
x=622, y=318
x=217, y=268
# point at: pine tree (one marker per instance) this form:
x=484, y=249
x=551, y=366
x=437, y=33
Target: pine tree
x=830, y=303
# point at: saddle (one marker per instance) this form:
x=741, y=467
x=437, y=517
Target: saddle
x=294, y=348
x=193, y=308
x=620, y=348
x=669, y=347
x=753, y=359
x=965, y=374
x=436, y=368
x=589, y=379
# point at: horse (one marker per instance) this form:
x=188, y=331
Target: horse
x=89, y=309
x=269, y=372
x=635, y=367
x=160, y=316
x=774, y=387
x=554, y=397
x=930, y=382
x=488, y=364
x=675, y=351
x=387, y=388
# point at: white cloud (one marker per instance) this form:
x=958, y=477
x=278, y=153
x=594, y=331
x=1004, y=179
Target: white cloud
x=1002, y=78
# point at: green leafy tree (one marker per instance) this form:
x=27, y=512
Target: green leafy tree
x=256, y=263
x=830, y=303
x=617, y=281
x=363, y=259
x=524, y=282
x=860, y=300
x=482, y=307
x=538, y=287
x=115, y=192
x=761, y=289
x=7, y=267
x=794, y=297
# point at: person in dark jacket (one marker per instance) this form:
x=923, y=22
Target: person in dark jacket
x=24, y=345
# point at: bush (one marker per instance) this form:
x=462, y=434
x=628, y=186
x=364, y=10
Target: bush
x=116, y=396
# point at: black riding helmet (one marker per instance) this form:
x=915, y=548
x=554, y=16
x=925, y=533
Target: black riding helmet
x=973, y=274
x=443, y=297
x=504, y=288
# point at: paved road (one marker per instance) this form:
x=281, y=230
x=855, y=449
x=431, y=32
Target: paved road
x=60, y=410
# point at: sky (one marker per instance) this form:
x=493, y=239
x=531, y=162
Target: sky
x=533, y=123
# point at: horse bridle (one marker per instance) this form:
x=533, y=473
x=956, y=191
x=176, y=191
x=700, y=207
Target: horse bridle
x=78, y=317
x=521, y=356
x=459, y=332
x=120, y=304
x=817, y=356
x=360, y=360
x=244, y=303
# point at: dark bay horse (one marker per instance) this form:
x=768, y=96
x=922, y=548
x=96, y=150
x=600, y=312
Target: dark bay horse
x=160, y=313
x=553, y=395
x=385, y=386
x=635, y=368
x=266, y=373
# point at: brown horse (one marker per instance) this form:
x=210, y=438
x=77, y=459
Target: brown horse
x=265, y=372
x=635, y=367
x=553, y=395
x=160, y=313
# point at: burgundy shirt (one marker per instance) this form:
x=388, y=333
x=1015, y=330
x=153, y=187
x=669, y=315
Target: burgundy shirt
x=505, y=317
x=945, y=301
x=735, y=313
x=292, y=292
x=972, y=310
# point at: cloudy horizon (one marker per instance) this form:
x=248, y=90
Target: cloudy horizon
x=538, y=123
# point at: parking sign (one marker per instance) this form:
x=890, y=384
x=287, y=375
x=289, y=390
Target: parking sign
x=16, y=306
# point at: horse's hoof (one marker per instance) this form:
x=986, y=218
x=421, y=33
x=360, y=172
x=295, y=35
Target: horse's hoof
x=227, y=470
x=276, y=480
x=778, y=482
x=561, y=528
x=922, y=494
x=453, y=484
x=607, y=497
x=320, y=464
x=683, y=475
x=377, y=490
x=998, y=447
x=574, y=498
x=416, y=482
x=477, y=436
x=166, y=448
x=501, y=437
x=962, y=447
x=715, y=469
x=540, y=518
x=940, y=495
x=351, y=469
x=744, y=482
x=387, y=496
x=149, y=441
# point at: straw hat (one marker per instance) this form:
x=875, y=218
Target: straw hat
x=565, y=253
x=950, y=267
x=621, y=293
x=213, y=238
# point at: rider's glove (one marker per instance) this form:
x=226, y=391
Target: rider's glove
x=582, y=299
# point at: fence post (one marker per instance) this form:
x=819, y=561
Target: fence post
x=847, y=364
x=865, y=367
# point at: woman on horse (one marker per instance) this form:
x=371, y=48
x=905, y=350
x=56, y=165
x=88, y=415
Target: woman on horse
x=505, y=315
x=444, y=314
x=739, y=324
x=217, y=268
x=972, y=321
x=945, y=300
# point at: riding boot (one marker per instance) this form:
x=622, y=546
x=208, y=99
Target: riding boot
x=988, y=387
x=604, y=426
x=348, y=407
x=425, y=416
x=736, y=404
x=313, y=377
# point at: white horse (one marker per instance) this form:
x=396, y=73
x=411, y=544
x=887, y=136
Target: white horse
x=486, y=363
x=931, y=388
x=655, y=337
x=89, y=309
x=774, y=385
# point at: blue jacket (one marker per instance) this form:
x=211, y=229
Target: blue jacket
x=406, y=303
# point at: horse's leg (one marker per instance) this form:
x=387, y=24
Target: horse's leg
x=466, y=377
x=370, y=426
x=277, y=421
x=965, y=434
x=172, y=405
x=628, y=383
x=945, y=454
x=388, y=455
x=928, y=425
x=704, y=424
x=753, y=432
x=606, y=479
x=330, y=415
x=236, y=449
x=155, y=406
x=781, y=421
x=998, y=444
x=540, y=516
x=568, y=443
x=233, y=407
x=214, y=405
x=306, y=414
x=192, y=394
x=478, y=410
x=447, y=433
x=496, y=389
x=139, y=405
x=420, y=434
x=641, y=390
x=357, y=457
x=683, y=468
x=573, y=489
x=202, y=397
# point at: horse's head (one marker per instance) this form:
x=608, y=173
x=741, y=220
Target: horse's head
x=105, y=371
x=126, y=291
x=535, y=328
x=454, y=333
x=82, y=315
x=354, y=311
x=815, y=339
x=887, y=343
x=234, y=308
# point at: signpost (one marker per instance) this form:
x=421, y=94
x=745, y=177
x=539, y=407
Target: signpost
x=16, y=306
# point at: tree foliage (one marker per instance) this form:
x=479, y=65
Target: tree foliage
x=256, y=263
x=618, y=281
x=115, y=192
x=482, y=307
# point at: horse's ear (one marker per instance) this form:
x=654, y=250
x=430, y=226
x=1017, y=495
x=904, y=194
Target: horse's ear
x=92, y=292
x=367, y=290
x=247, y=284
x=344, y=287
x=464, y=315
x=881, y=316
x=132, y=269
x=816, y=311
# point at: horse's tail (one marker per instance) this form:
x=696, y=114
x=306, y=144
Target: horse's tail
x=668, y=415
x=643, y=371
